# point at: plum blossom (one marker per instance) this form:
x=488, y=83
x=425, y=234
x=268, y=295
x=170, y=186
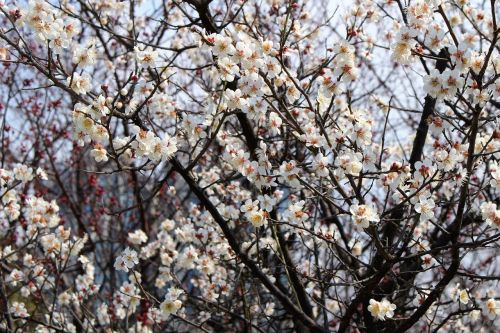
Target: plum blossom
x=146, y=57
x=137, y=237
x=228, y=69
x=99, y=153
x=491, y=308
x=381, y=310
x=423, y=170
x=362, y=215
x=18, y=309
x=428, y=261
x=490, y=214
x=320, y=165
x=222, y=46
x=425, y=207
x=80, y=84
x=126, y=260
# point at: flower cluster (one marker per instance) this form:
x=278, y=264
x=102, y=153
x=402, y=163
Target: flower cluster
x=362, y=215
x=381, y=310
